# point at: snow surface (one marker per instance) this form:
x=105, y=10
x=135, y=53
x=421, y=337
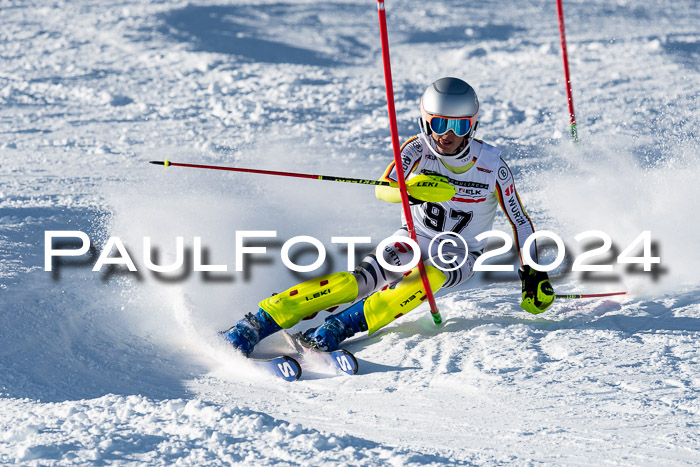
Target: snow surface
x=125, y=367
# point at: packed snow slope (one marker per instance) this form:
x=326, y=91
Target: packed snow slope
x=121, y=366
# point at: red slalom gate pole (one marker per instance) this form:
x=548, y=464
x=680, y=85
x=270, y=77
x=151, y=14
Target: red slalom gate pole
x=565, y=57
x=397, y=157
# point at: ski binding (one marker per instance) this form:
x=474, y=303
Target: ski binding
x=340, y=359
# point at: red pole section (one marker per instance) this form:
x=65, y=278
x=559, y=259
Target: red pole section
x=397, y=157
x=565, y=57
x=332, y=178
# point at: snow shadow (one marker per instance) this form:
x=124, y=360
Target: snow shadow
x=461, y=34
x=655, y=317
x=684, y=48
x=275, y=33
x=613, y=316
x=675, y=313
x=66, y=337
x=367, y=367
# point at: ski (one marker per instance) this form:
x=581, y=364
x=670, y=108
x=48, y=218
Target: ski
x=340, y=359
x=283, y=366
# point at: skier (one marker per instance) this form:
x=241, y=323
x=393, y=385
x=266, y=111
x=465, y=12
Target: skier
x=454, y=183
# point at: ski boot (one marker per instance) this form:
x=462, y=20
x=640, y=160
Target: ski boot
x=246, y=333
x=337, y=328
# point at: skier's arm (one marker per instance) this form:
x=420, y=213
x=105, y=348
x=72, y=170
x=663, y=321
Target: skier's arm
x=409, y=160
x=537, y=290
x=387, y=193
x=420, y=187
x=515, y=212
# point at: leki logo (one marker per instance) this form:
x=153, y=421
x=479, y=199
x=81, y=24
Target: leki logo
x=410, y=299
x=317, y=294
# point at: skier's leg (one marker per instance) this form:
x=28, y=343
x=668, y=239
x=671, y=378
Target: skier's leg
x=377, y=311
x=390, y=303
x=286, y=309
x=298, y=302
x=338, y=327
x=455, y=263
x=384, y=306
x=314, y=295
x=370, y=274
x=394, y=301
x=246, y=333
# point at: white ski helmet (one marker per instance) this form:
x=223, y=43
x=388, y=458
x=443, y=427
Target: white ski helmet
x=449, y=104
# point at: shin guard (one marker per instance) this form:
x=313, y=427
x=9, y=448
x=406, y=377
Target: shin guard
x=307, y=298
x=388, y=304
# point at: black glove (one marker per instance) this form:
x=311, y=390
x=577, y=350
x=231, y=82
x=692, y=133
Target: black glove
x=538, y=293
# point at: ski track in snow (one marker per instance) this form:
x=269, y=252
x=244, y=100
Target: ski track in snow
x=120, y=367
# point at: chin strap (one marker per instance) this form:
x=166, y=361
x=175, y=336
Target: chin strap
x=431, y=145
x=425, y=131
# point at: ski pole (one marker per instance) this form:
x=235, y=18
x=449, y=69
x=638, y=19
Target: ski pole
x=591, y=295
x=361, y=181
x=397, y=157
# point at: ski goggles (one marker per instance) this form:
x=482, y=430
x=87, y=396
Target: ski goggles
x=441, y=125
